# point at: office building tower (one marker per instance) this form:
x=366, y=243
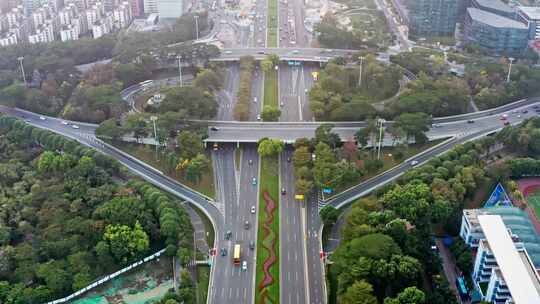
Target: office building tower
x=496, y=34
x=431, y=18
x=150, y=6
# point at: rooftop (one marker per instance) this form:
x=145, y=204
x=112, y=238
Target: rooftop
x=518, y=222
x=518, y=278
x=494, y=19
x=496, y=5
x=533, y=12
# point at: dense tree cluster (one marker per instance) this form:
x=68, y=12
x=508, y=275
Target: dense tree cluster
x=316, y=162
x=490, y=89
x=58, y=88
x=336, y=95
x=371, y=33
x=241, y=108
x=66, y=220
x=439, y=93
x=440, y=96
x=386, y=239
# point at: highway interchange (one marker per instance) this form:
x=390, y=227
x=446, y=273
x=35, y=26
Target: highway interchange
x=301, y=270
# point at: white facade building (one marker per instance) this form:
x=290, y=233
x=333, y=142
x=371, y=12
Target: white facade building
x=70, y=32
x=170, y=8
x=503, y=263
x=44, y=33
x=530, y=15
x=122, y=15
x=150, y=6
x=8, y=39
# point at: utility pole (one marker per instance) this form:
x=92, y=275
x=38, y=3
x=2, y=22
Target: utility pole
x=22, y=69
x=360, y=72
x=196, y=26
x=510, y=59
x=180, y=69
x=380, y=122
x=153, y=119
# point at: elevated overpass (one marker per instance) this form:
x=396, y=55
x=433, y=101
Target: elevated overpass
x=285, y=54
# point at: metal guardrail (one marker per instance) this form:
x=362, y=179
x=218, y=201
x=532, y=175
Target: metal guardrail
x=107, y=278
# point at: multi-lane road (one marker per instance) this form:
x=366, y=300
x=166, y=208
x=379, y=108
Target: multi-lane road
x=231, y=284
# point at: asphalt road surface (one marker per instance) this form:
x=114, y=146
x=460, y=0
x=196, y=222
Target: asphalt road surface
x=226, y=97
x=294, y=85
x=231, y=283
x=293, y=276
x=289, y=132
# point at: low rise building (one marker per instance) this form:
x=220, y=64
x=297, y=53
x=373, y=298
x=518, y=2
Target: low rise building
x=496, y=34
x=514, y=218
x=503, y=271
x=530, y=16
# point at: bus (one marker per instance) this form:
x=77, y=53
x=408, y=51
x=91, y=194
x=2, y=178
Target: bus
x=462, y=289
x=236, y=254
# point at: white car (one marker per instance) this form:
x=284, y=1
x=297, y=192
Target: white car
x=255, y=99
x=244, y=266
x=252, y=209
x=414, y=163
x=75, y=126
x=258, y=116
x=42, y=118
x=64, y=122
x=228, y=52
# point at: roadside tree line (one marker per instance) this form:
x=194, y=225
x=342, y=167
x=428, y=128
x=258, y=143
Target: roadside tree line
x=68, y=218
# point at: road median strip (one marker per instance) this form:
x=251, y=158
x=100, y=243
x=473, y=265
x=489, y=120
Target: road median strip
x=267, y=271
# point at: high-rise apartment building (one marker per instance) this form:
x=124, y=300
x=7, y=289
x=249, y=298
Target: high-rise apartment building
x=170, y=8
x=137, y=9
x=429, y=18
x=150, y=6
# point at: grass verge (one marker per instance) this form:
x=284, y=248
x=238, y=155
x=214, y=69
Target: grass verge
x=388, y=159
x=147, y=154
x=269, y=181
x=207, y=226
x=271, y=89
x=203, y=279
x=237, y=154
x=272, y=21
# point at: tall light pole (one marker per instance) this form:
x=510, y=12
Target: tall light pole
x=180, y=69
x=153, y=119
x=510, y=59
x=360, y=72
x=196, y=26
x=380, y=122
x=22, y=69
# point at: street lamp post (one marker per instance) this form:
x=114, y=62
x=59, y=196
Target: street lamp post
x=380, y=122
x=360, y=72
x=196, y=26
x=510, y=59
x=180, y=70
x=22, y=69
x=153, y=119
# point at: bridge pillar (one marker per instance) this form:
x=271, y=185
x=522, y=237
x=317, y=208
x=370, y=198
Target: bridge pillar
x=238, y=144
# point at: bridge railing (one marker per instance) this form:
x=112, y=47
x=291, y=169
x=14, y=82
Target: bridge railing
x=107, y=278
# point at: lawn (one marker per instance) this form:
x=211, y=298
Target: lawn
x=269, y=183
x=388, y=159
x=147, y=154
x=272, y=23
x=534, y=201
x=271, y=89
x=203, y=279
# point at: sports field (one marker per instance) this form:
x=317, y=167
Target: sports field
x=534, y=202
